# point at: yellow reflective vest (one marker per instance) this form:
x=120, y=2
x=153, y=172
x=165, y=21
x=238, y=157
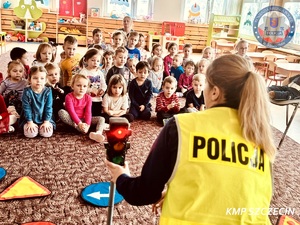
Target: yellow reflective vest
x=219, y=177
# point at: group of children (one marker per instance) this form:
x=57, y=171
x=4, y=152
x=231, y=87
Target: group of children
x=84, y=91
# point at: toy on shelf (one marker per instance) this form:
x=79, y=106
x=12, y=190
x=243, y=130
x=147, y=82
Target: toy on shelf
x=26, y=28
x=82, y=18
x=170, y=32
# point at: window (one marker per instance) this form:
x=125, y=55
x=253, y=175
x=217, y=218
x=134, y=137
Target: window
x=294, y=9
x=198, y=11
x=136, y=9
x=249, y=11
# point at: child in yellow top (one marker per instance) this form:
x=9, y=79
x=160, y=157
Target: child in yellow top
x=69, y=66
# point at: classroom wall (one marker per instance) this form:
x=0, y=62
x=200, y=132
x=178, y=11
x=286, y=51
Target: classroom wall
x=164, y=10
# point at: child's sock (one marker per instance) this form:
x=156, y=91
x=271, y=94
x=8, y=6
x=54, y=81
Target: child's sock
x=96, y=136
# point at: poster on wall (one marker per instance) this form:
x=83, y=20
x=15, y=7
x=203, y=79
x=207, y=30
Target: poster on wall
x=43, y=3
x=119, y=8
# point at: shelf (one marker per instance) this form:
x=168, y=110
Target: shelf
x=223, y=27
x=73, y=24
x=31, y=31
x=220, y=37
x=68, y=33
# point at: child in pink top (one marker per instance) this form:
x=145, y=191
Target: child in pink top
x=78, y=113
x=186, y=79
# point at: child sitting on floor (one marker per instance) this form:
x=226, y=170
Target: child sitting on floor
x=21, y=55
x=97, y=39
x=133, y=39
x=44, y=55
x=90, y=68
x=78, y=113
x=194, y=98
x=119, y=66
x=156, y=74
x=187, y=53
x=208, y=53
x=107, y=62
x=37, y=116
x=115, y=101
x=168, y=60
x=13, y=86
x=156, y=52
x=167, y=103
x=290, y=90
x=140, y=92
x=202, y=66
x=6, y=118
x=185, y=79
x=58, y=94
x=176, y=68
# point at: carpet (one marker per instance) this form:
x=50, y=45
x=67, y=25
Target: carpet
x=68, y=162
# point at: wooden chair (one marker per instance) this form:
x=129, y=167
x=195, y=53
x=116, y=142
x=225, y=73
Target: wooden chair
x=268, y=52
x=288, y=120
x=292, y=58
x=252, y=47
x=272, y=75
x=282, y=61
x=262, y=67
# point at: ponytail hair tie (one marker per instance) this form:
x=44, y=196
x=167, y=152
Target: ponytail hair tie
x=247, y=75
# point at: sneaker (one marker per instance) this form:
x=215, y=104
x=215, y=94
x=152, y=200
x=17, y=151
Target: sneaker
x=96, y=137
x=11, y=129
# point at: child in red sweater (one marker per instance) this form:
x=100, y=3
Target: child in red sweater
x=7, y=117
x=186, y=79
x=167, y=103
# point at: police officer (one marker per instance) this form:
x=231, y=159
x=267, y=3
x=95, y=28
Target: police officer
x=215, y=163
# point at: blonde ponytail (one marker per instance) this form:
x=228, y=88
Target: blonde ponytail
x=245, y=91
x=254, y=114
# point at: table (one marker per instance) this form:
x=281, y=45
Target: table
x=225, y=46
x=288, y=69
x=259, y=56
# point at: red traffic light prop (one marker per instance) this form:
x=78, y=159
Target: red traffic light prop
x=117, y=139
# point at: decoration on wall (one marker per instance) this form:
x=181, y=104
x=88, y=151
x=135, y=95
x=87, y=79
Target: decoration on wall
x=120, y=9
x=194, y=14
x=95, y=12
x=248, y=19
x=27, y=9
x=274, y=26
x=6, y=4
x=120, y=2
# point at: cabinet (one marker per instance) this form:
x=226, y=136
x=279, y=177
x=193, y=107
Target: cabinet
x=31, y=30
x=223, y=27
x=72, y=21
x=71, y=26
x=27, y=27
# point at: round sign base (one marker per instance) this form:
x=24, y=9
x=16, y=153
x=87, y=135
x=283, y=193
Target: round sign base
x=98, y=194
x=2, y=173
